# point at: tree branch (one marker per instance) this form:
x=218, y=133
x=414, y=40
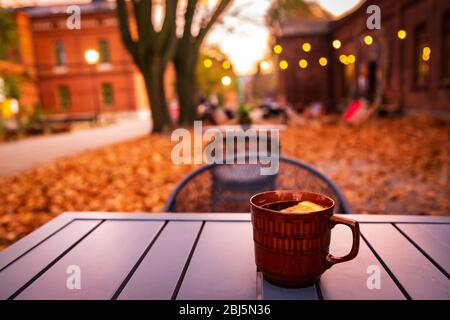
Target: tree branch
x=130, y=44
x=166, y=38
x=169, y=23
x=143, y=14
x=188, y=18
x=203, y=31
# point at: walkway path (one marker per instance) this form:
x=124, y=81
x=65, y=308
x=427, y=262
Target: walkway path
x=27, y=153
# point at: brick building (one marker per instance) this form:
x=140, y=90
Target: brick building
x=67, y=83
x=406, y=63
x=19, y=64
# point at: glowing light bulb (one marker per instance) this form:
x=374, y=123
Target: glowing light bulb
x=226, y=64
x=207, y=63
x=401, y=34
x=303, y=63
x=306, y=47
x=323, y=61
x=368, y=40
x=336, y=44
x=226, y=81
x=283, y=64
x=277, y=49
x=91, y=56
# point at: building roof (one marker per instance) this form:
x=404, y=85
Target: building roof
x=306, y=18
x=96, y=6
x=312, y=19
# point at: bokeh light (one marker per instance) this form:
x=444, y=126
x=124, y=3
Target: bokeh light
x=226, y=80
x=306, y=47
x=226, y=64
x=303, y=63
x=277, y=49
x=336, y=44
x=401, y=34
x=323, y=61
x=91, y=56
x=283, y=64
x=368, y=40
x=207, y=63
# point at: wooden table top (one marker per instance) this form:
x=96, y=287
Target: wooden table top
x=210, y=256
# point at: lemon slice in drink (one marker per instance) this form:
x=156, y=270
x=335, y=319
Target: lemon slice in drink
x=304, y=207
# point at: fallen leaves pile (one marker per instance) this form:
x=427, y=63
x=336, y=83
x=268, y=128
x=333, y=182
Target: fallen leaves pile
x=393, y=166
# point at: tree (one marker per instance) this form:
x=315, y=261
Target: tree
x=187, y=54
x=151, y=52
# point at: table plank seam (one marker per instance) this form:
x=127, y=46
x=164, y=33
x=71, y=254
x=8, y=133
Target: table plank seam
x=139, y=261
x=167, y=219
x=52, y=263
x=186, y=265
x=318, y=291
x=434, y=262
x=387, y=269
x=38, y=244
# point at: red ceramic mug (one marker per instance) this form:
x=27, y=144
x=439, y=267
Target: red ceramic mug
x=292, y=249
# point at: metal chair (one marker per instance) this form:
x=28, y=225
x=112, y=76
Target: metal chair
x=228, y=187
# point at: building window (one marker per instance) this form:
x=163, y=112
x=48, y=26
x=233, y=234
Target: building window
x=64, y=97
x=422, y=55
x=60, y=55
x=103, y=50
x=107, y=94
x=446, y=46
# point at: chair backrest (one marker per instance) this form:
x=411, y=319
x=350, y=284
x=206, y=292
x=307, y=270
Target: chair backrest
x=228, y=187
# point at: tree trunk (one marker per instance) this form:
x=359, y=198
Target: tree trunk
x=185, y=63
x=154, y=83
x=187, y=94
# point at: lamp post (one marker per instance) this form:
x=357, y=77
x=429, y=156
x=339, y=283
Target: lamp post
x=91, y=57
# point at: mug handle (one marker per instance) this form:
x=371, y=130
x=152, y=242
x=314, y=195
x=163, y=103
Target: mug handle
x=352, y=224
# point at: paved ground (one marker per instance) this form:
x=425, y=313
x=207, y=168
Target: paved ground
x=24, y=154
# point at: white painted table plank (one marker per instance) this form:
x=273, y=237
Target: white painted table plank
x=434, y=239
x=420, y=278
x=13, y=277
x=105, y=257
x=348, y=280
x=158, y=274
x=223, y=264
x=273, y=292
x=39, y=235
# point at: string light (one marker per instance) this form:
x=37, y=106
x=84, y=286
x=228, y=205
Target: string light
x=336, y=44
x=306, y=47
x=283, y=64
x=323, y=61
x=426, y=52
x=91, y=56
x=401, y=34
x=226, y=81
x=207, y=63
x=264, y=65
x=368, y=40
x=343, y=58
x=303, y=63
x=351, y=58
x=226, y=64
x=277, y=49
